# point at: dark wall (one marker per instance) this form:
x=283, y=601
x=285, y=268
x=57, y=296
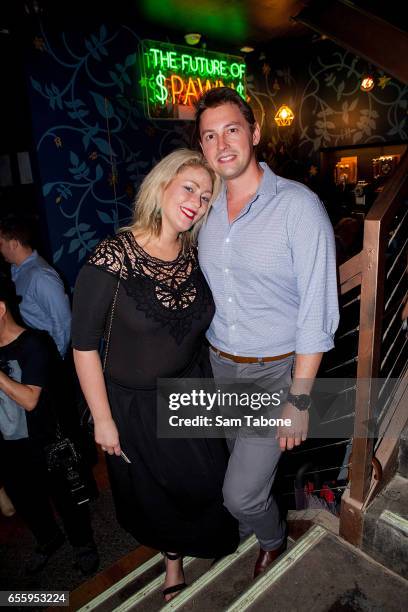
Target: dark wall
x=321, y=83
x=93, y=154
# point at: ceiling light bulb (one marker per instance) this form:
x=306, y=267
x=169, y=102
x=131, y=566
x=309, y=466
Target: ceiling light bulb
x=367, y=83
x=193, y=38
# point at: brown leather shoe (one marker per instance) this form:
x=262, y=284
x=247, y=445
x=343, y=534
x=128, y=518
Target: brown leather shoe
x=266, y=557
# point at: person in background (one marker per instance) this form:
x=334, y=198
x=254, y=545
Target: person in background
x=267, y=251
x=29, y=406
x=348, y=234
x=44, y=305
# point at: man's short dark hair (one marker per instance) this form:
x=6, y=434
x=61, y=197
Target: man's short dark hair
x=217, y=97
x=15, y=227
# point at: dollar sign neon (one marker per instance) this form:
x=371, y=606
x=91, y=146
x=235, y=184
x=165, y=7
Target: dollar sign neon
x=240, y=90
x=163, y=94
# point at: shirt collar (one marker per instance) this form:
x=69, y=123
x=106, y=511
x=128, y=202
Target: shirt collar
x=267, y=187
x=30, y=258
x=268, y=184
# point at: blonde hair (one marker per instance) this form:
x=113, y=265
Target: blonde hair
x=147, y=214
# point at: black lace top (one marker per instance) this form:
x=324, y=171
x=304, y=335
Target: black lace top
x=162, y=311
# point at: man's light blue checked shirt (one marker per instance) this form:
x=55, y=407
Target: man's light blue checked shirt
x=45, y=304
x=272, y=272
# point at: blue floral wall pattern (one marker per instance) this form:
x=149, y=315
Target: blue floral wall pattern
x=94, y=143
x=333, y=111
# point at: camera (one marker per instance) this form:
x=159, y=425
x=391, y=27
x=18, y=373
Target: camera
x=64, y=462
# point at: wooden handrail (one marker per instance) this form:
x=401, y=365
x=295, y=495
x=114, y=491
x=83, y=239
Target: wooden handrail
x=372, y=265
x=350, y=274
x=376, y=226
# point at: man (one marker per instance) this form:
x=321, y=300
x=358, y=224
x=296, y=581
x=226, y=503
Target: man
x=45, y=304
x=29, y=402
x=267, y=251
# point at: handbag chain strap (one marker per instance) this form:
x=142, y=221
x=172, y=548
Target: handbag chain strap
x=115, y=297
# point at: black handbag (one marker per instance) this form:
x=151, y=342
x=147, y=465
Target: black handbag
x=64, y=463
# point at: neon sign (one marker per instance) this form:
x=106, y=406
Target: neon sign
x=174, y=77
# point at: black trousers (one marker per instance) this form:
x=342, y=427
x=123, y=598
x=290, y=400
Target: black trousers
x=30, y=488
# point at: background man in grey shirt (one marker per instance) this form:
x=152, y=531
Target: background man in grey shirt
x=268, y=254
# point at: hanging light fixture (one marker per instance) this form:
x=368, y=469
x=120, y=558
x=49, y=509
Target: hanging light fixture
x=367, y=82
x=284, y=116
x=193, y=38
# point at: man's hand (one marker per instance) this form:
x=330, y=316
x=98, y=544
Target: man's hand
x=296, y=433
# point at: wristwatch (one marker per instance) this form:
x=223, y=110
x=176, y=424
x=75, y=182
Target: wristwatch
x=301, y=402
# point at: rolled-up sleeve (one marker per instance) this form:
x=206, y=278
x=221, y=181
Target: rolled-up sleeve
x=314, y=259
x=93, y=297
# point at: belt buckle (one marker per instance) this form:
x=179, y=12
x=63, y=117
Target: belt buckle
x=261, y=361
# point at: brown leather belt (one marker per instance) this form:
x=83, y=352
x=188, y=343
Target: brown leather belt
x=238, y=359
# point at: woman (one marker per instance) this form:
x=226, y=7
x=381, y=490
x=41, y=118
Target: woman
x=144, y=287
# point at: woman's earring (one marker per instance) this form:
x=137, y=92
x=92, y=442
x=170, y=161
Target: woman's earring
x=157, y=219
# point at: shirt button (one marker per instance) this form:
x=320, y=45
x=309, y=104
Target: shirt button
x=232, y=327
x=226, y=270
x=230, y=299
x=227, y=240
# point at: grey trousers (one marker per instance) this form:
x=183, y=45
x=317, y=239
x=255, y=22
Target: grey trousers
x=253, y=461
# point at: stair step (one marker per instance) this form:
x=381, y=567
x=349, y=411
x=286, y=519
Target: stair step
x=146, y=591
x=150, y=599
x=385, y=535
x=296, y=552
x=218, y=593
x=144, y=595
x=194, y=595
x=136, y=586
x=395, y=521
x=329, y=575
x=119, y=591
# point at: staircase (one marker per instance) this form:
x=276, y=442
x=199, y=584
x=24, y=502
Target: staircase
x=318, y=572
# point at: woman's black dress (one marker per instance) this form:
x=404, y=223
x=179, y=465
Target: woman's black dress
x=170, y=496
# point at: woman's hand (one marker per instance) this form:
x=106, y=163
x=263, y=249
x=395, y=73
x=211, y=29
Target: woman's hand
x=106, y=434
x=89, y=369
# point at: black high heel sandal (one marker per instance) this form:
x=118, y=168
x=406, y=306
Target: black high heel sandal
x=176, y=587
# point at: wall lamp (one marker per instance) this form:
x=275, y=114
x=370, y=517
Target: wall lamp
x=284, y=116
x=367, y=83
